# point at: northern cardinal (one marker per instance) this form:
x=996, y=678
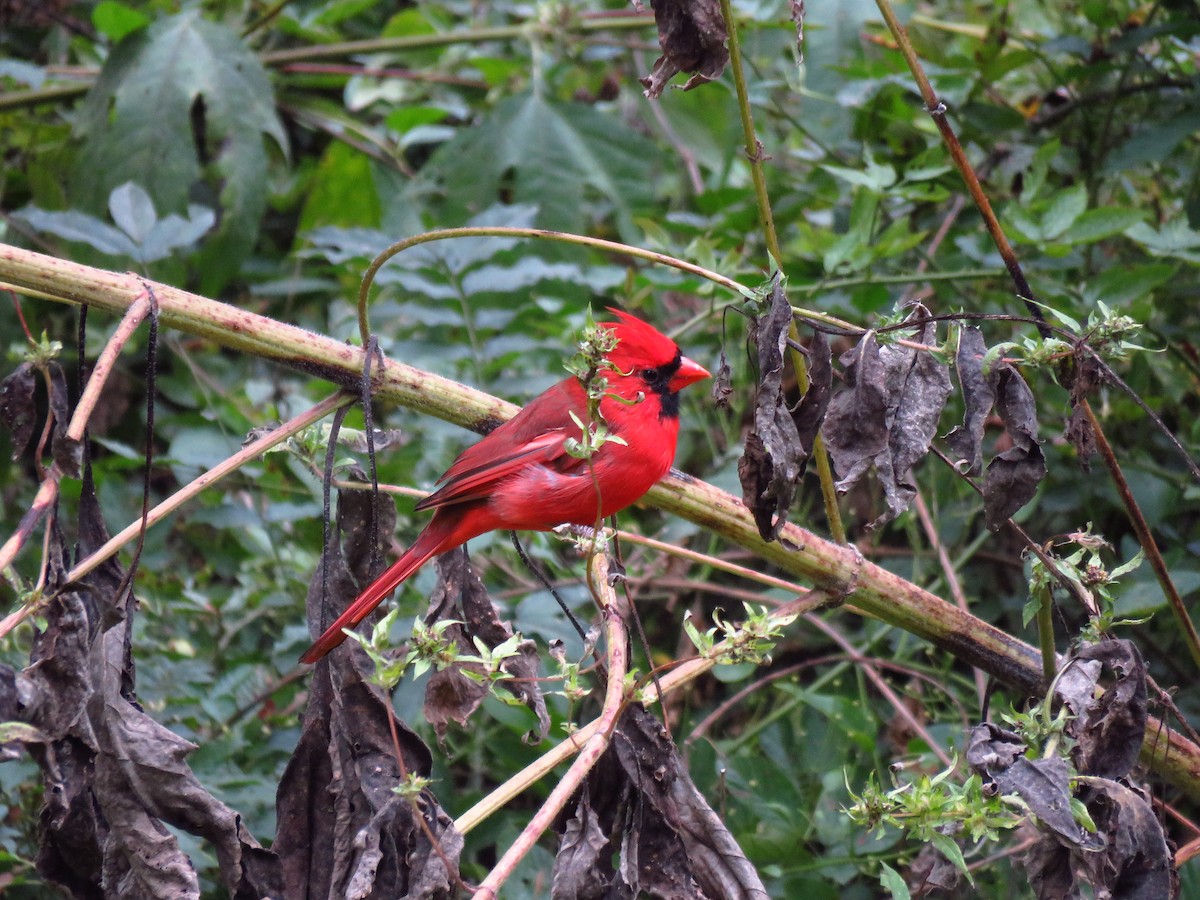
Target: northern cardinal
x=521, y=477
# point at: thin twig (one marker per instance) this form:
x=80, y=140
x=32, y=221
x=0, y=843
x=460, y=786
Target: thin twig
x=617, y=645
x=1142, y=529
x=47, y=494
x=937, y=112
x=884, y=688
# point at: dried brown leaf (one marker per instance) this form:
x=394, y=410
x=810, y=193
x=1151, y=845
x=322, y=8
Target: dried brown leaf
x=67, y=452
x=773, y=461
x=809, y=414
x=343, y=830
x=453, y=695
x=692, y=36
x=966, y=441
x=722, y=388
x=672, y=844
x=18, y=407
x=856, y=426
x=1012, y=477
x=1136, y=861
x=1109, y=729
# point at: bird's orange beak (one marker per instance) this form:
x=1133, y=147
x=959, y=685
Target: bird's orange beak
x=688, y=373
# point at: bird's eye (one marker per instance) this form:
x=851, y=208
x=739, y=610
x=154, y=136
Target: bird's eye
x=650, y=374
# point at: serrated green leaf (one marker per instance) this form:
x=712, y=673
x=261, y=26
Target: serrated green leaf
x=560, y=156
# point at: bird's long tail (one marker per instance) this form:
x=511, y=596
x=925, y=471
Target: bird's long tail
x=430, y=542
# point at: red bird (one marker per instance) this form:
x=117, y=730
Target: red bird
x=520, y=477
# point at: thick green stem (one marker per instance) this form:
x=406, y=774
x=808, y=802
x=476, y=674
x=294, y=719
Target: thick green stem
x=754, y=152
x=1045, y=626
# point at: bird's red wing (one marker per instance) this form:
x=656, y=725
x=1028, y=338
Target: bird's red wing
x=534, y=436
x=462, y=484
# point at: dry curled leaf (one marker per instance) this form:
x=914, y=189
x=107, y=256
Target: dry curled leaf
x=114, y=778
x=773, y=461
x=1110, y=714
x=692, y=36
x=966, y=441
x=342, y=828
x=18, y=409
x=639, y=802
x=888, y=416
x=722, y=388
x=1012, y=477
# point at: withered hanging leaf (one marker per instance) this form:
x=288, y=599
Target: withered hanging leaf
x=114, y=778
x=773, y=460
x=889, y=415
x=856, y=426
x=1109, y=729
x=67, y=452
x=722, y=388
x=452, y=694
x=966, y=441
x=1135, y=862
x=1044, y=785
x=342, y=830
x=18, y=410
x=1050, y=871
x=921, y=385
x=810, y=412
x=672, y=844
x=692, y=35
x=583, y=865
x=1013, y=476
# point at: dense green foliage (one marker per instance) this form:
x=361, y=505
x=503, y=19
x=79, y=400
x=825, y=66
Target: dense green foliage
x=238, y=150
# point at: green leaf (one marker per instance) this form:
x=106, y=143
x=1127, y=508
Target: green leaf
x=1175, y=238
x=947, y=846
x=115, y=20
x=1064, y=209
x=1097, y=224
x=183, y=76
x=1122, y=285
x=560, y=156
x=893, y=882
x=77, y=226
x=132, y=210
x=342, y=191
x=874, y=177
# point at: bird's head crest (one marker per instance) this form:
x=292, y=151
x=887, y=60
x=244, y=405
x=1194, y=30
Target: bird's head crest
x=638, y=343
